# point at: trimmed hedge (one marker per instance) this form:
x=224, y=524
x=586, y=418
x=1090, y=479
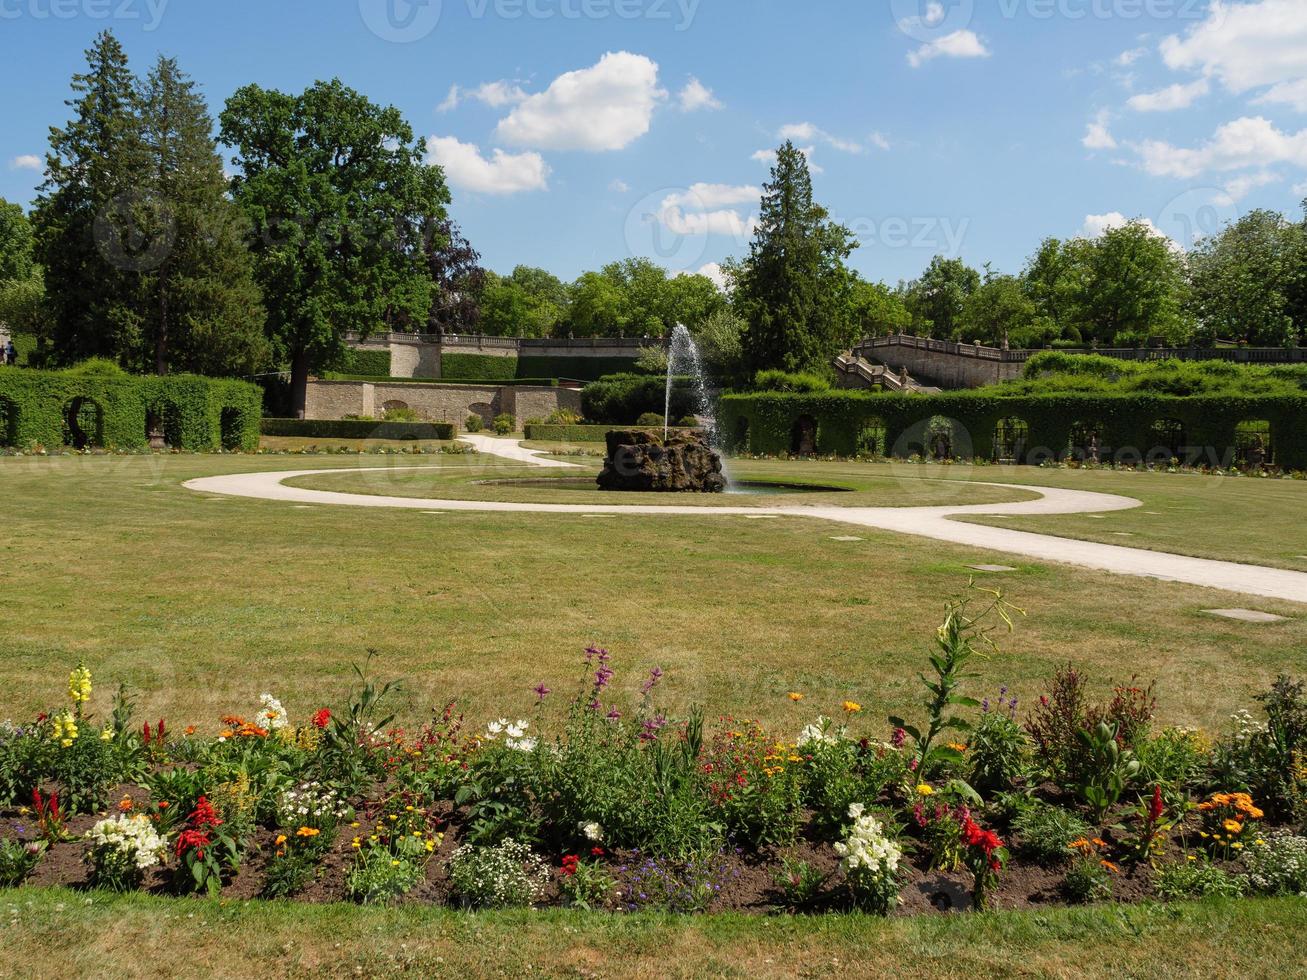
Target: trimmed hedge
x=481, y=366
x=543, y=432
x=364, y=363
x=358, y=429
x=196, y=414
x=620, y=399
x=770, y=423
x=574, y=368
x=470, y=382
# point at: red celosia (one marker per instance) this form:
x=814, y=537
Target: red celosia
x=321, y=719
x=986, y=840
x=1156, y=808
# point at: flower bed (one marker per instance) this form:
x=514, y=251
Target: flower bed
x=605, y=800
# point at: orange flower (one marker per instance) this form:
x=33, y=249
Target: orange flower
x=796, y=696
x=307, y=832
x=1110, y=866
x=852, y=707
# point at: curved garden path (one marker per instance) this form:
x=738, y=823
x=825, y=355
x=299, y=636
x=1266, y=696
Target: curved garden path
x=928, y=522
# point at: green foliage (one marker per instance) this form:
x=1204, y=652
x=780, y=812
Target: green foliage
x=1277, y=864
x=478, y=366
x=475, y=423
x=956, y=642
x=799, y=883
x=651, y=420
x=1125, y=422
x=369, y=364
x=1051, y=372
x=793, y=288
x=1088, y=881
x=1195, y=879
x=1107, y=770
x=938, y=300
x=203, y=413
x=339, y=197
x=357, y=429
x=296, y=864
x=504, y=424
x=507, y=875
x=784, y=381
x=998, y=751
x=1044, y=833
x=18, y=859
x=575, y=367
x=620, y=399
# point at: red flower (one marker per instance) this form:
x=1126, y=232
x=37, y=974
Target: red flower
x=204, y=815
x=1156, y=808
x=321, y=719
x=986, y=840
x=597, y=852
x=196, y=840
x=569, y=865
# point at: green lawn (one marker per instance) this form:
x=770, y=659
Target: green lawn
x=203, y=603
x=61, y=933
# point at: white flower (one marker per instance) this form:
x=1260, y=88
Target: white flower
x=496, y=728
x=821, y=731
x=272, y=714
x=592, y=831
x=131, y=836
x=521, y=744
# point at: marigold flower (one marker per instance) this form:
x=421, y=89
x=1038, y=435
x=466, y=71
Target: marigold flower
x=307, y=832
x=925, y=789
x=796, y=696
x=852, y=707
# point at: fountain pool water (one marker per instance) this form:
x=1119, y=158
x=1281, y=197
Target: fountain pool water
x=683, y=353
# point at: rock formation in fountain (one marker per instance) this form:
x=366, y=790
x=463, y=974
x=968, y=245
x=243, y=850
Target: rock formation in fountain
x=679, y=461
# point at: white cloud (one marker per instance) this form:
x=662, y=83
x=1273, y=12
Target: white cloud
x=959, y=44
x=1172, y=97
x=1127, y=58
x=503, y=173
x=704, y=197
x=1247, y=46
x=806, y=132
x=1097, y=225
x=606, y=107
x=712, y=270
x=1244, y=143
x=696, y=95
x=1240, y=187
x=879, y=140
x=26, y=161
x=1097, y=134
x=619, y=186
x=1300, y=190
x=494, y=94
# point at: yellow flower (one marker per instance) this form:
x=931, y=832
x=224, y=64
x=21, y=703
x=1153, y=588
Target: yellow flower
x=394, y=864
x=925, y=789
x=1233, y=826
x=796, y=696
x=852, y=707
x=281, y=839
x=106, y=735
x=307, y=832
x=79, y=684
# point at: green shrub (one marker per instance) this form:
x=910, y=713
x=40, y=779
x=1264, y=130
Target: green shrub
x=475, y=423
x=650, y=420
x=998, y=750
x=1195, y=878
x=96, y=404
x=620, y=399
x=364, y=363
x=784, y=381
x=18, y=859
x=575, y=368
x=357, y=429
x=400, y=415
x=1044, y=833
x=504, y=424
x=1088, y=881
x=484, y=366
x=1277, y=864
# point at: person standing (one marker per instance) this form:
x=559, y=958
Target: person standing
x=11, y=353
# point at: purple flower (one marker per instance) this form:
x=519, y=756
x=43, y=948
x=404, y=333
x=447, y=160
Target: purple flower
x=900, y=738
x=541, y=691
x=655, y=676
x=614, y=715
x=651, y=727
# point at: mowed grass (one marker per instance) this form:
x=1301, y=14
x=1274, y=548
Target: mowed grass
x=62, y=933
x=201, y=603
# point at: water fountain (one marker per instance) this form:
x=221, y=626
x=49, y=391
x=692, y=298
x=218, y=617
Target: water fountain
x=680, y=461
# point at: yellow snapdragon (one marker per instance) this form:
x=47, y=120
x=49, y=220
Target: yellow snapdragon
x=65, y=729
x=79, y=684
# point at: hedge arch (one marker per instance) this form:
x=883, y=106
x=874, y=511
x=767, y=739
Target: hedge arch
x=1011, y=439
x=394, y=406
x=1167, y=440
x=1253, y=443
x=8, y=422
x=1058, y=424
x=165, y=418
x=190, y=407
x=83, y=423
x=803, y=436
x=871, y=437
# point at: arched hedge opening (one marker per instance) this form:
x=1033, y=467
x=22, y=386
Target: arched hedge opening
x=1011, y=439
x=8, y=422
x=83, y=423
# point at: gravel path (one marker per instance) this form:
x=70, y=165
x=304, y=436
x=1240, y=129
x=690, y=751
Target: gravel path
x=929, y=522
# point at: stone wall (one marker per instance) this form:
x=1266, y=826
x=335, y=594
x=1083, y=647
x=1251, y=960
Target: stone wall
x=436, y=402
x=942, y=364
x=418, y=355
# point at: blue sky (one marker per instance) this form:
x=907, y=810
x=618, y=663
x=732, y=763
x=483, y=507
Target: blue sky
x=583, y=131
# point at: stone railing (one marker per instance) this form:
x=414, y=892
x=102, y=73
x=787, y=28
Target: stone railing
x=1250, y=355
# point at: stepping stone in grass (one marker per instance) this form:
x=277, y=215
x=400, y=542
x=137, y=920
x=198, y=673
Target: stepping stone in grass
x=1096, y=517
x=996, y=569
x=1124, y=534
x=303, y=507
x=1246, y=615
x=846, y=539
x=762, y=517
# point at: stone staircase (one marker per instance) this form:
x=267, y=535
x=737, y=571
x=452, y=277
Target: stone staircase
x=854, y=371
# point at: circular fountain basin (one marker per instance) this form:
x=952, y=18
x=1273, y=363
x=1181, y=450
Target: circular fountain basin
x=746, y=488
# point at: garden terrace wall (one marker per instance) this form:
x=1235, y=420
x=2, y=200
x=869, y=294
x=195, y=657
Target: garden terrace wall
x=766, y=423
x=437, y=401
x=196, y=414
x=538, y=432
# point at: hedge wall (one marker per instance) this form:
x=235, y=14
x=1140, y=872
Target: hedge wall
x=479, y=366
x=364, y=363
x=573, y=368
x=487, y=382
x=543, y=432
x=1055, y=426
x=621, y=399
x=83, y=409
x=355, y=429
